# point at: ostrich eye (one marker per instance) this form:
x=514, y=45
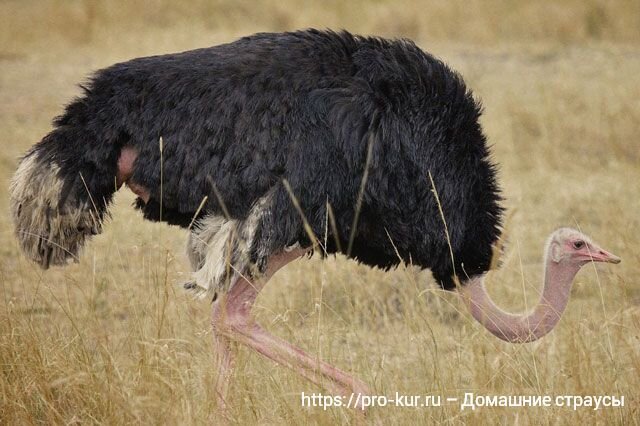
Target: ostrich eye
x=578, y=244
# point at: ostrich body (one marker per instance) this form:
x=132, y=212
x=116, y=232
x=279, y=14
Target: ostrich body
x=271, y=141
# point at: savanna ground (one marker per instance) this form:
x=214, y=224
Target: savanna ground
x=115, y=340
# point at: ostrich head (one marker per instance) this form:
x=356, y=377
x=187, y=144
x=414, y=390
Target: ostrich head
x=568, y=246
x=567, y=250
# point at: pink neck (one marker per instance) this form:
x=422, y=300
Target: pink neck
x=525, y=327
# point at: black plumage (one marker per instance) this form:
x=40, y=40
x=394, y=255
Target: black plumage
x=308, y=109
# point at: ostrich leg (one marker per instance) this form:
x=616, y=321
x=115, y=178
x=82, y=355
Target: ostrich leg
x=232, y=321
x=224, y=362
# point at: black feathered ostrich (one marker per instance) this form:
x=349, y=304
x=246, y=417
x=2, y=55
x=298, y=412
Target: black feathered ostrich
x=268, y=139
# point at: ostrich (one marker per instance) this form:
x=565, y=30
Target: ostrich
x=264, y=142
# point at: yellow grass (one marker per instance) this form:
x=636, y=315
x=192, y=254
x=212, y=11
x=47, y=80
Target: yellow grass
x=114, y=339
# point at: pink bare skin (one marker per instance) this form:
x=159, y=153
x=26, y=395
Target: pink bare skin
x=232, y=321
x=125, y=170
x=567, y=251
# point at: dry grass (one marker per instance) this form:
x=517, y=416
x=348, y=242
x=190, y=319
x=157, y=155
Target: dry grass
x=114, y=340
x=475, y=21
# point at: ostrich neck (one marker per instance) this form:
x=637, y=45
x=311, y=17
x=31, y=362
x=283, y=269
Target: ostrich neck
x=530, y=326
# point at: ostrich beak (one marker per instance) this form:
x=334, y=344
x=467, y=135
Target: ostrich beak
x=600, y=255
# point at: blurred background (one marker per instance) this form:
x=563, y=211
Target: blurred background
x=474, y=21
x=115, y=340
